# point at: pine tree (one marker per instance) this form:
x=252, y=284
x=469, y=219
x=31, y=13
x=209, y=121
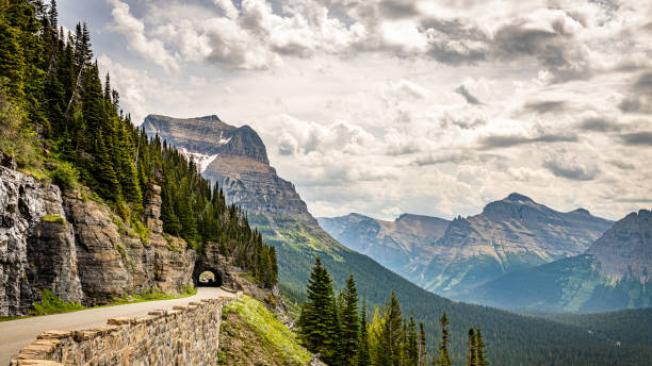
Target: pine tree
x=481, y=359
x=443, y=358
x=364, y=358
x=390, y=342
x=350, y=323
x=422, y=346
x=471, y=356
x=411, y=343
x=318, y=320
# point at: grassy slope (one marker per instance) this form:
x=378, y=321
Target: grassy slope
x=252, y=335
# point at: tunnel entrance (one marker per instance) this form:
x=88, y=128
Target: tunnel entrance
x=208, y=277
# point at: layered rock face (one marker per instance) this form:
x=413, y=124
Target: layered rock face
x=78, y=249
x=37, y=244
x=613, y=274
x=114, y=261
x=405, y=245
x=511, y=234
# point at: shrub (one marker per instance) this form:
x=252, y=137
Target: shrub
x=65, y=176
x=53, y=218
x=52, y=304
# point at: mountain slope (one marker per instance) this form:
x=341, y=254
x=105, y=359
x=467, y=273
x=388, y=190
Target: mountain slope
x=509, y=235
x=277, y=210
x=615, y=273
x=405, y=245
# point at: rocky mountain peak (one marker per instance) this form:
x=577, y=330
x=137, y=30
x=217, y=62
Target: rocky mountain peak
x=581, y=211
x=517, y=197
x=206, y=137
x=625, y=250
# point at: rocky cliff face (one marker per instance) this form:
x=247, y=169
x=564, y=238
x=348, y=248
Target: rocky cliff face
x=509, y=235
x=613, y=274
x=37, y=245
x=78, y=249
x=405, y=245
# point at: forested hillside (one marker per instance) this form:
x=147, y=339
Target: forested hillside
x=59, y=122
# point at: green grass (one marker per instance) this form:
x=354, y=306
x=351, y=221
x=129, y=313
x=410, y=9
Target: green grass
x=52, y=304
x=53, y=218
x=274, y=333
x=154, y=296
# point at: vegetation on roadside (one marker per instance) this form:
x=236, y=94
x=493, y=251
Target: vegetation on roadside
x=252, y=335
x=52, y=304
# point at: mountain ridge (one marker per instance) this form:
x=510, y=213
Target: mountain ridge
x=611, y=275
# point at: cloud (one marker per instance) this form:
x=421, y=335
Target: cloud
x=599, y=124
x=542, y=107
x=470, y=98
x=571, y=170
x=134, y=31
x=643, y=138
x=505, y=141
x=549, y=36
x=639, y=99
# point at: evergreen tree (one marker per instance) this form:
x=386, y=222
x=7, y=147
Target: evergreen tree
x=350, y=323
x=443, y=357
x=318, y=320
x=364, y=358
x=422, y=346
x=471, y=353
x=390, y=342
x=411, y=343
x=481, y=359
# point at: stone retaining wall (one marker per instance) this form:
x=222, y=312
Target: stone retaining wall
x=185, y=336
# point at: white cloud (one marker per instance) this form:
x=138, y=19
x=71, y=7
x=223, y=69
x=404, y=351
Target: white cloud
x=134, y=31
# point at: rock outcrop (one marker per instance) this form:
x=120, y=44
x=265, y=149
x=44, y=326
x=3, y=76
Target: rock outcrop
x=78, y=249
x=114, y=261
x=37, y=246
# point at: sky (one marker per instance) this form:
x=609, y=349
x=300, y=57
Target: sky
x=389, y=106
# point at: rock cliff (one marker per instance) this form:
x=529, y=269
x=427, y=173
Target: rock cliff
x=79, y=249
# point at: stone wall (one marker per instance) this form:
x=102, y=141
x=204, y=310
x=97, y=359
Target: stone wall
x=187, y=335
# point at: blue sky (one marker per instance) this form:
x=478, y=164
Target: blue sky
x=383, y=107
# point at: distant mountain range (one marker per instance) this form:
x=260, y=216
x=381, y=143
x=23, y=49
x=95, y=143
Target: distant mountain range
x=454, y=258
x=614, y=273
x=236, y=158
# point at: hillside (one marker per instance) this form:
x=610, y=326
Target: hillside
x=613, y=274
x=287, y=224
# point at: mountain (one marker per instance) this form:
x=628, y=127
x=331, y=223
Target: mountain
x=511, y=234
x=404, y=245
x=452, y=258
x=614, y=273
x=277, y=210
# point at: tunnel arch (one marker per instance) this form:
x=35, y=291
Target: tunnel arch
x=207, y=277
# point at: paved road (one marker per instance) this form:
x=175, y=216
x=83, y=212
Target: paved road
x=16, y=334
